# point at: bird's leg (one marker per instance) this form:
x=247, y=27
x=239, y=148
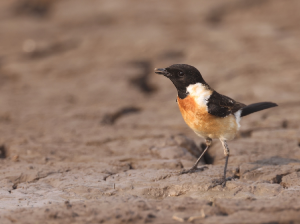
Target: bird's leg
x=226, y=152
x=223, y=180
x=208, y=144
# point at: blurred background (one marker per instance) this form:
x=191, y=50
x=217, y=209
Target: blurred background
x=77, y=82
x=65, y=64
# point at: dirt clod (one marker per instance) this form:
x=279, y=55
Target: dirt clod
x=142, y=80
x=3, y=152
x=110, y=119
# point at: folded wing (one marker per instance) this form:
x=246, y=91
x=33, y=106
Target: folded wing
x=222, y=106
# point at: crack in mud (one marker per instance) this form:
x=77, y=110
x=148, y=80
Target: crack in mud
x=19, y=180
x=108, y=140
x=109, y=175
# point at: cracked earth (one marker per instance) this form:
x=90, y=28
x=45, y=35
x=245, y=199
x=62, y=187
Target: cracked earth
x=89, y=134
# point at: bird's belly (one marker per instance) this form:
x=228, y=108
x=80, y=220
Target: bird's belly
x=205, y=124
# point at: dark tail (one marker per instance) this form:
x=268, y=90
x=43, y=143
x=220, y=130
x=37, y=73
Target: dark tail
x=257, y=107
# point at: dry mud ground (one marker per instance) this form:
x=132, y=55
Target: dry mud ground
x=89, y=134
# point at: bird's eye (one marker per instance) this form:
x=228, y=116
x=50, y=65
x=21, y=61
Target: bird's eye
x=180, y=74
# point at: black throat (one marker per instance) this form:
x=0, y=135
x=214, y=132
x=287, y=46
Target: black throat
x=182, y=93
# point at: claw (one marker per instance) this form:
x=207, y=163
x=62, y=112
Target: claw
x=187, y=171
x=192, y=170
x=222, y=181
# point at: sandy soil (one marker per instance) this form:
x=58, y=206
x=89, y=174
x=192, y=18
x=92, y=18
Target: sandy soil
x=89, y=134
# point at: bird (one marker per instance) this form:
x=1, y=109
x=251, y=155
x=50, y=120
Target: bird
x=208, y=113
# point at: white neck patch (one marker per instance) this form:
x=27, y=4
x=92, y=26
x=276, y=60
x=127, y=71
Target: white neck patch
x=200, y=93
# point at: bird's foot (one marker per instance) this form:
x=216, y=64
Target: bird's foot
x=193, y=170
x=221, y=181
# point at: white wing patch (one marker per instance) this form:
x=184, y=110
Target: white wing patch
x=238, y=117
x=200, y=93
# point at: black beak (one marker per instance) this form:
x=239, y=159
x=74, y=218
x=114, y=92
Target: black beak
x=162, y=71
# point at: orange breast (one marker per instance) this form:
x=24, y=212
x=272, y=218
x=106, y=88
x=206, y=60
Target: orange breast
x=205, y=124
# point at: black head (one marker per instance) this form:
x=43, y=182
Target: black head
x=182, y=76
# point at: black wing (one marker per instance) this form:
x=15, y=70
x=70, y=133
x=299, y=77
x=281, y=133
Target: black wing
x=222, y=106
